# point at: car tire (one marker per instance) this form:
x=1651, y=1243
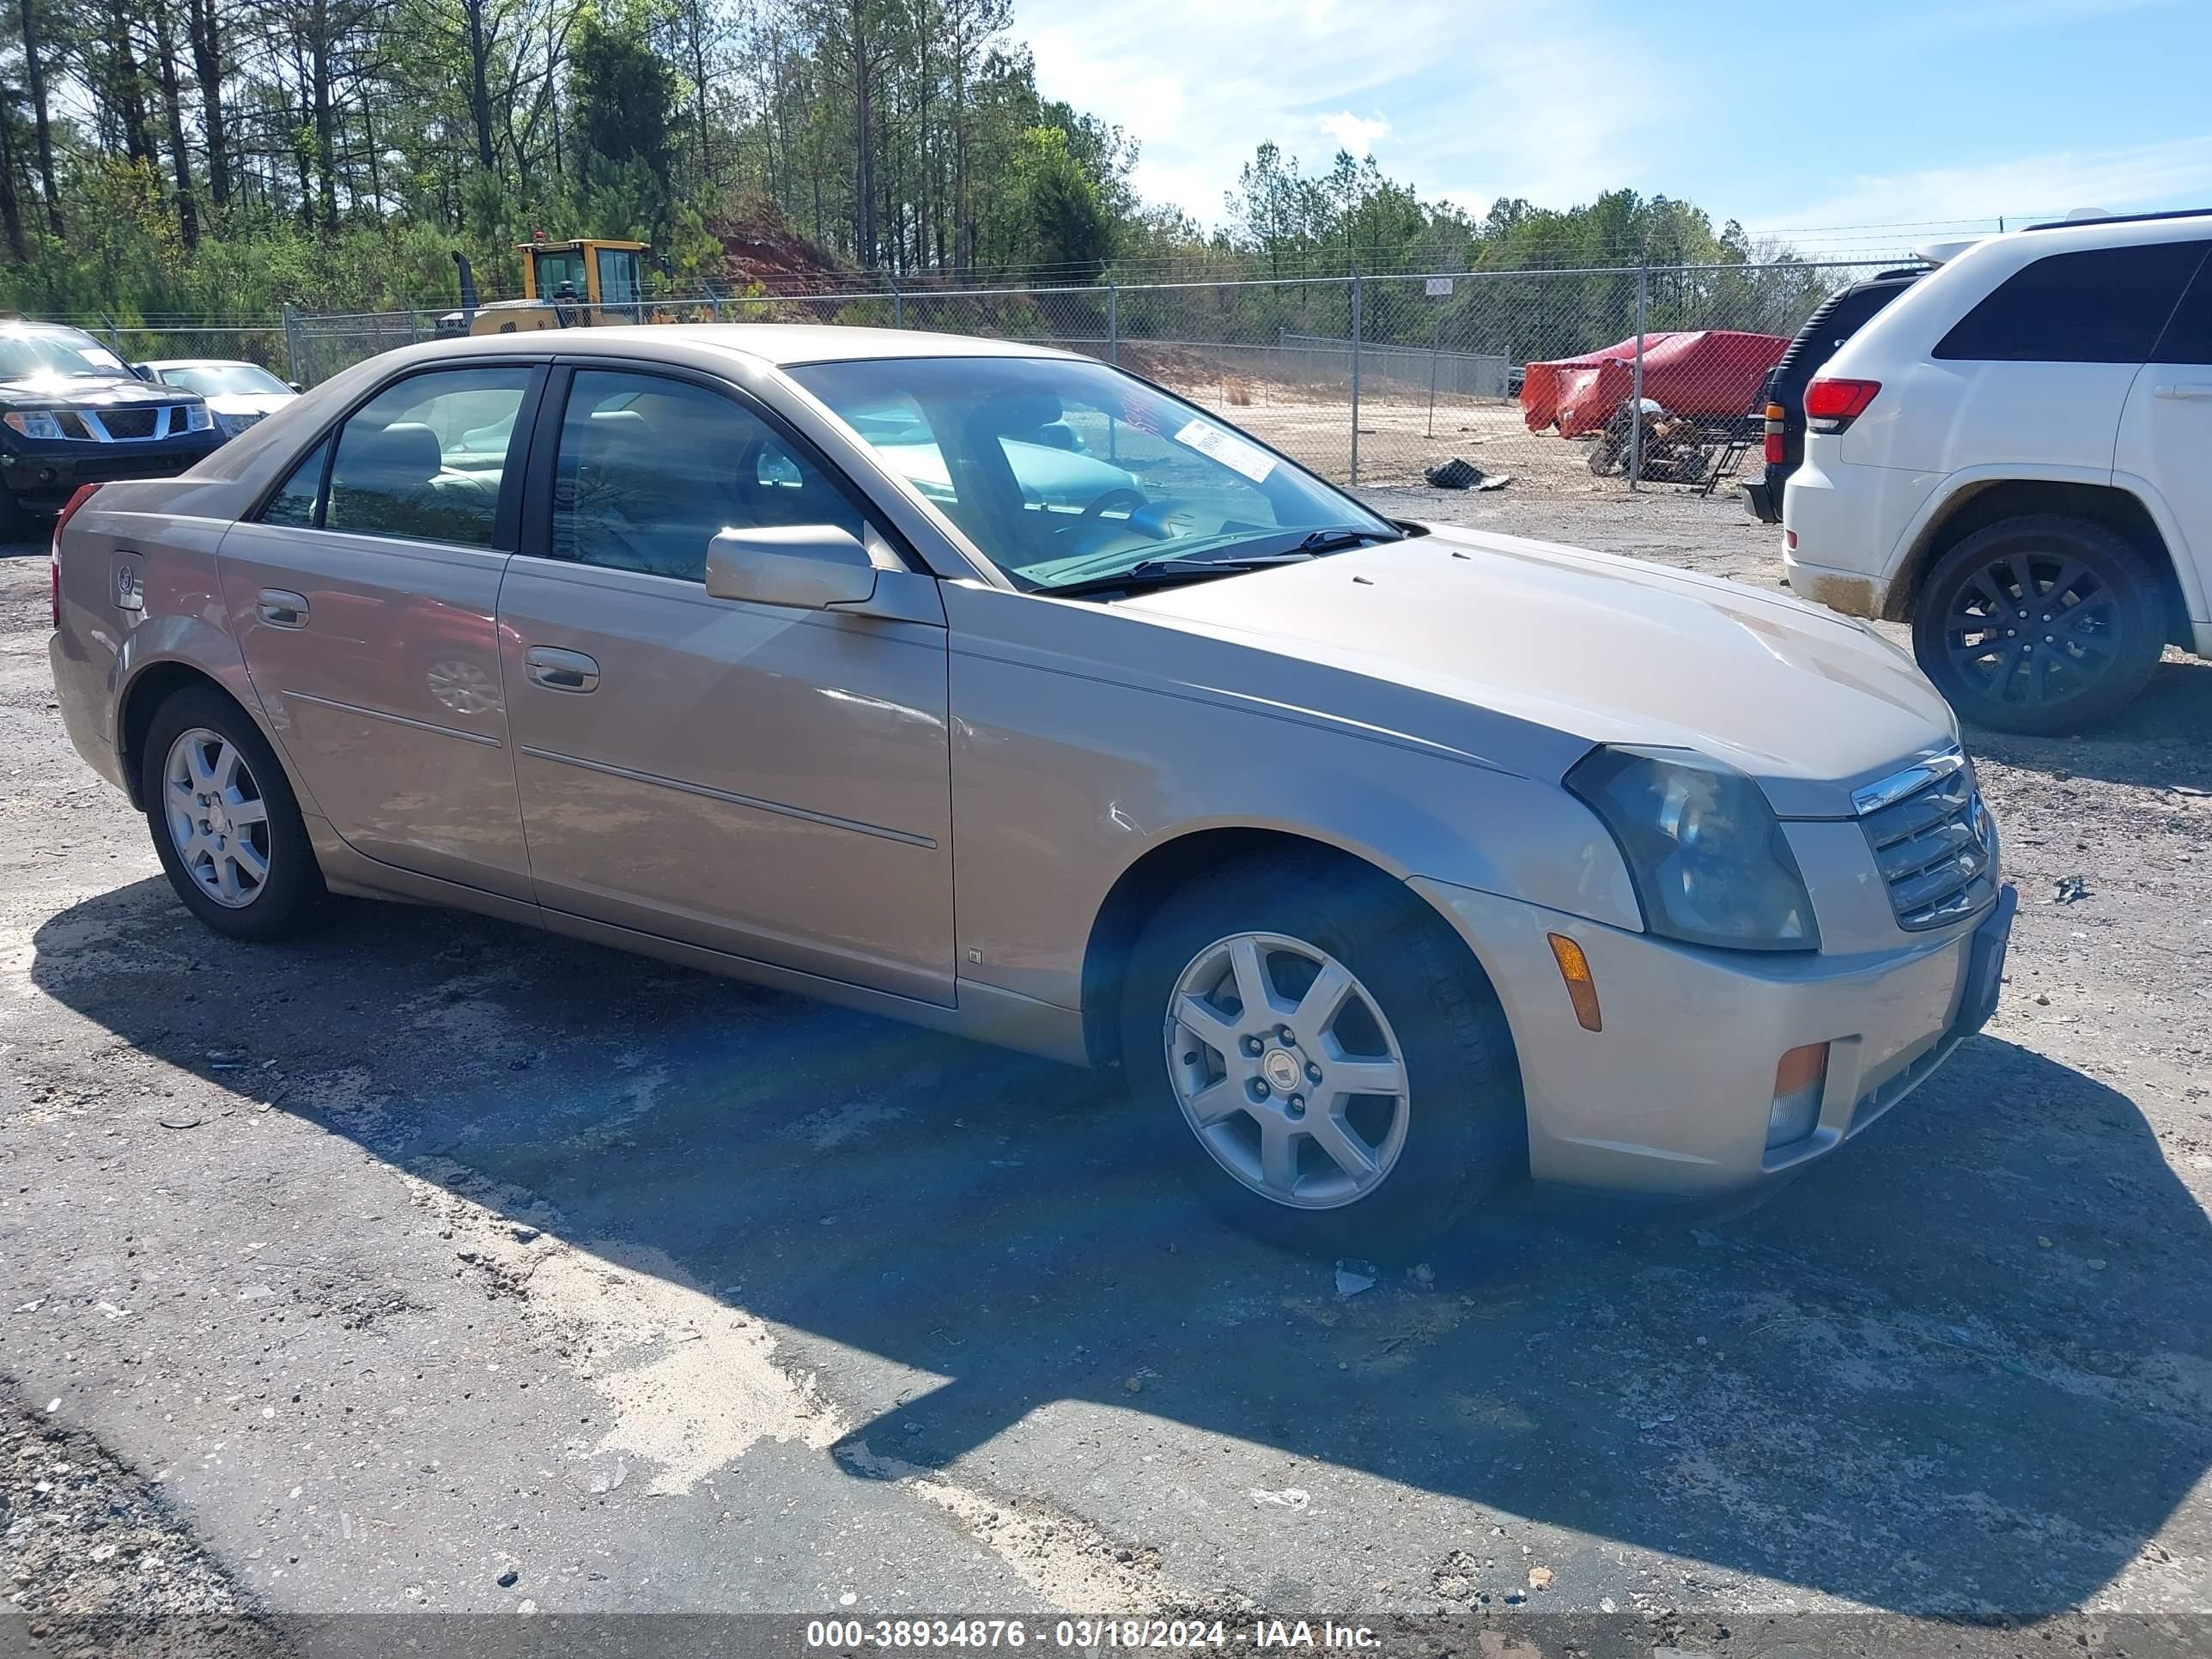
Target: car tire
x=1415, y=990
x=1978, y=622
x=17, y=522
x=251, y=817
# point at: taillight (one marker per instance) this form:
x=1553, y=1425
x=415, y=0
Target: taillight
x=84, y=493
x=1833, y=405
x=1775, y=434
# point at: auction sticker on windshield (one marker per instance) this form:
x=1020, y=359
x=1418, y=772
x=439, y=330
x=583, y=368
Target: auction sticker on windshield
x=1226, y=447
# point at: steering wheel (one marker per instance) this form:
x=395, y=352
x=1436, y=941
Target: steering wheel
x=1117, y=497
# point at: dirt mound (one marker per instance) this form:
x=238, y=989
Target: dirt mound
x=778, y=258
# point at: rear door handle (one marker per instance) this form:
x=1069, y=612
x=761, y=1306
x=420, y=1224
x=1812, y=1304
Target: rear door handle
x=561, y=671
x=280, y=608
x=2191, y=389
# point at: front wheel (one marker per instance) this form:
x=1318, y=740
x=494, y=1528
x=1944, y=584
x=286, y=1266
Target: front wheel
x=1322, y=1057
x=225, y=822
x=2043, y=624
x=17, y=522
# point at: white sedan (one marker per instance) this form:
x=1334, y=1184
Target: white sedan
x=238, y=394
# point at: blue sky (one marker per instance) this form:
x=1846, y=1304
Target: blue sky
x=1789, y=116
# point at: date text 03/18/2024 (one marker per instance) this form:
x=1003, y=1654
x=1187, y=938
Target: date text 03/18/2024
x=852, y=1635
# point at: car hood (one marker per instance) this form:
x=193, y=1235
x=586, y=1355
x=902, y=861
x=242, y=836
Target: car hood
x=88, y=392
x=1602, y=648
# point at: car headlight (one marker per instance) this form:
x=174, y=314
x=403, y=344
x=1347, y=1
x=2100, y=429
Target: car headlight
x=197, y=417
x=34, y=423
x=1703, y=848
x=232, y=425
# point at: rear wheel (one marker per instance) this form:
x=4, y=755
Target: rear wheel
x=1321, y=1057
x=2043, y=624
x=224, y=820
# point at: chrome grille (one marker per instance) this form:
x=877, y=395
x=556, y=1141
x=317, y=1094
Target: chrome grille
x=138, y=423
x=1934, y=843
x=126, y=424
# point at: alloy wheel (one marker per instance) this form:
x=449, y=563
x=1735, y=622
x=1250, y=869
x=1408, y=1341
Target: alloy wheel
x=1286, y=1070
x=2033, y=629
x=217, y=821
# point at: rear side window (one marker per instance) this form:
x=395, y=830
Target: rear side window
x=2100, y=306
x=293, y=503
x=2189, y=336
x=1839, y=317
x=424, y=459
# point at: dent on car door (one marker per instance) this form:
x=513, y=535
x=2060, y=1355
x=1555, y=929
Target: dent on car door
x=364, y=597
x=766, y=781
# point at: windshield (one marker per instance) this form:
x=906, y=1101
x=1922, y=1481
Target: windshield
x=217, y=380
x=559, y=265
x=1064, y=470
x=55, y=357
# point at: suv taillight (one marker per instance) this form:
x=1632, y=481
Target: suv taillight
x=1833, y=405
x=1775, y=434
x=84, y=493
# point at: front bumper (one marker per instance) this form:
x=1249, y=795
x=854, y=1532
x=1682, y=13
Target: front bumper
x=1673, y=1097
x=44, y=475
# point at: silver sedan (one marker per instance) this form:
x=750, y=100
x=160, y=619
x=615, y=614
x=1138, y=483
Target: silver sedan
x=986, y=687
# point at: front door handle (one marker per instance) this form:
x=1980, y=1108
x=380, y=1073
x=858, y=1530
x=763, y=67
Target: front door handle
x=561, y=671
x=282, y=608
x=2191, y=389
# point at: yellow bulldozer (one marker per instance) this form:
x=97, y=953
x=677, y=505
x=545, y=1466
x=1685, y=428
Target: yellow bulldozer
x=583, y=282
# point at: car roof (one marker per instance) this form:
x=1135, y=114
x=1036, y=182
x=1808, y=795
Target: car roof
x=2123, y=219
x=782, y=344
x=198, y=362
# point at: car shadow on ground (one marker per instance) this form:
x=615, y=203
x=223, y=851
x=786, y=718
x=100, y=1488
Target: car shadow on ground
x=2156, y=742
x=1960, y=1367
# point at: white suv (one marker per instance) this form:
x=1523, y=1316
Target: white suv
x=2017, y=455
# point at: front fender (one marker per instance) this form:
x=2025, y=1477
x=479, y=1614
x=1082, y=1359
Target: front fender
x=1065, y=776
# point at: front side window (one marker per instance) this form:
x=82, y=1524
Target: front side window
x=424, y=459
x=651, y=469
x=617, y=275
x=1064, y=470
x=2100, y=305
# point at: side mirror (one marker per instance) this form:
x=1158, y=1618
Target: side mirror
x=296, y=386
x=809, y=567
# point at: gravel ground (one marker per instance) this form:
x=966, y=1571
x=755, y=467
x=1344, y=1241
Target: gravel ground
x=433, y=1266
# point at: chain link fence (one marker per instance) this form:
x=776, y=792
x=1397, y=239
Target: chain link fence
x=1536, y=377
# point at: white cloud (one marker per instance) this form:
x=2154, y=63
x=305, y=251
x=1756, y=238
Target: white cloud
x=1356, y=133
x=2176, y=173
x=1199, y=83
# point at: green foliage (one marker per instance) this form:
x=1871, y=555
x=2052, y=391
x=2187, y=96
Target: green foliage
x=621, y=94
x=443, y=126
x=1070, y=237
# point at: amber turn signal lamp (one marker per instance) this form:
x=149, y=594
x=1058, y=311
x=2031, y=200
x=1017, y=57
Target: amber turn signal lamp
x=1581, y=989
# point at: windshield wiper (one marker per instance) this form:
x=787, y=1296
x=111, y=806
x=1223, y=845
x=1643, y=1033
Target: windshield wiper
x=1165, y=573
x=1271, y=550
x=1339, y=540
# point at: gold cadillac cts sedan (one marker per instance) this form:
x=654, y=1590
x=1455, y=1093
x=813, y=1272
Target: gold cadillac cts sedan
x=987, y=687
